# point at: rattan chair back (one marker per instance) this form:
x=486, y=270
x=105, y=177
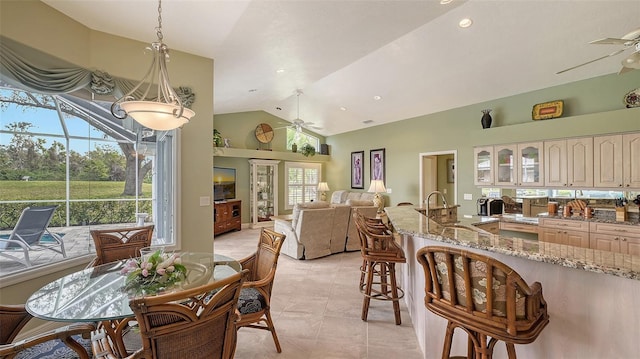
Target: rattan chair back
x=377, y=243
x=14, y=317
x=483, y=296
x=120, y=243
x=196, y=323
x=262, y=270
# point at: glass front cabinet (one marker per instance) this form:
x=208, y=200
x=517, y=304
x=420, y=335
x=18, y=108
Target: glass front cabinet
x=483, y=158
x=263, y=176
x=519, y=164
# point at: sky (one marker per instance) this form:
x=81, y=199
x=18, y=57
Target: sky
x=47, y=121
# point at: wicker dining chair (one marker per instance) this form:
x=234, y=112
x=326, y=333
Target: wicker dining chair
x=380, y=253
x=120, y=243
x=456, y=288
x=14, y=317
x=116, y=244
x=196, y=323
x=255, y=299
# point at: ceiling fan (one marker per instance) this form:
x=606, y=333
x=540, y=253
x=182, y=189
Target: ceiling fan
x=299, y=124
x=628, y=41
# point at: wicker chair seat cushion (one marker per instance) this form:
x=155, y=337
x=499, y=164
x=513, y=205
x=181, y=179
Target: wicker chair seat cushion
x=251, y=301
x=55, y=349
x=478, y=287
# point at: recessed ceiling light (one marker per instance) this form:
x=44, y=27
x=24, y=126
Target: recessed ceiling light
x=253, y=90
x=280, y=71
x=464, y=23
x=343, y=108
x=445, y=2
x=377, y=98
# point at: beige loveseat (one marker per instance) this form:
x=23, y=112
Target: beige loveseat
x=320, y=228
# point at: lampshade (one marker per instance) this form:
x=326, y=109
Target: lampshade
x=377, y=186
x=166, y=111
x=323, y=187
x=157, y=115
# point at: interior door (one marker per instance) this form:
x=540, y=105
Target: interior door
x=429, y=178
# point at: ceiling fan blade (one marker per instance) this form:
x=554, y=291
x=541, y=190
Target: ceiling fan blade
x=610, y=41
x=624, y=69
x=594, y=60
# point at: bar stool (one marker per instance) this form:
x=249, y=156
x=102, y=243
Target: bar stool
x=380, y=253
x=456, y=283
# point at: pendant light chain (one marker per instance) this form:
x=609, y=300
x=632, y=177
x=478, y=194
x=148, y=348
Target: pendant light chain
x=159, y=28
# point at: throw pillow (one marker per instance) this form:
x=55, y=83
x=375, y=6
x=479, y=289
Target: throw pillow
x=338, y=196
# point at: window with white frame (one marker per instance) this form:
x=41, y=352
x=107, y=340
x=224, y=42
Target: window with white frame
x=300, y=138
x=301, y=182
x=66, y=151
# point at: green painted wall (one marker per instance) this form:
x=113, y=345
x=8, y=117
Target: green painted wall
x=36, y=25
x=591, y=107
x=240, y=129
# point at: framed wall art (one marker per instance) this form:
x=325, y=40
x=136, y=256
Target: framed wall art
x=451, y=171
x=377, y=164
x=357, y=169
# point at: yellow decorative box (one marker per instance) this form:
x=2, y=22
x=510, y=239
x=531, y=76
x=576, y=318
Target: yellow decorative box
x=543, y=111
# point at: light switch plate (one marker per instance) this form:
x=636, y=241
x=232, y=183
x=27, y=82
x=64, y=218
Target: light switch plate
x=388, y=190
x=205, y=201
x=468, y=197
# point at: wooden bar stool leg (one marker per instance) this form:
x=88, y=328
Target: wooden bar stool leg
x=394, y=293
x=511, y=350
x=367, y=292
x=448, y=338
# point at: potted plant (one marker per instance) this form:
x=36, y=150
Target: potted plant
x=217, y=138
x=307, y=150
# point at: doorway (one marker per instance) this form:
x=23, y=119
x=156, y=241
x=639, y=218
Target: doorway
x=438, y=173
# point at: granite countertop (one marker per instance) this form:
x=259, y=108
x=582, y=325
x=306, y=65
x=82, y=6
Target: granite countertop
x=593, y=219
x=407, y=220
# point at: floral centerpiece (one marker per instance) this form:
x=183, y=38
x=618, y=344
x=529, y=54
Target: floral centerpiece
x=154, y=272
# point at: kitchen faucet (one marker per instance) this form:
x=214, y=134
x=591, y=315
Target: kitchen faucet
x=444, y=200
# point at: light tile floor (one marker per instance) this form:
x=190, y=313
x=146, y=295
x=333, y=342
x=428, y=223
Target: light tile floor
x=316, y=308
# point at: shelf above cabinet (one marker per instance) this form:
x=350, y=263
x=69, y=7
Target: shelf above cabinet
x=271, y=155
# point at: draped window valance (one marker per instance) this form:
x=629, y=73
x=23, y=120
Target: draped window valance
x=29, y=74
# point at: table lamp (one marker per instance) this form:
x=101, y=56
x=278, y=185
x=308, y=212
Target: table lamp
x=323, y=187
x=376, y=187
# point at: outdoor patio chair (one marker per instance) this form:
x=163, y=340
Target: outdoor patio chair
x=27, y=235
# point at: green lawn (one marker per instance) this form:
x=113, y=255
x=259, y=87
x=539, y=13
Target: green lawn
x=56, y=190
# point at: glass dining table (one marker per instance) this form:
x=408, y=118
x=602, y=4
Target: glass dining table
x=98, y=294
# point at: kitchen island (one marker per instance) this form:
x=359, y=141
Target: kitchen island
x=592, y=296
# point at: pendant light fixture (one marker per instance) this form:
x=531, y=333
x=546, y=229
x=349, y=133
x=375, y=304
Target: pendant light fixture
x=166, y=111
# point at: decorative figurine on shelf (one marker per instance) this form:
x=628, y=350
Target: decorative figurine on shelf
x=227, y=143
x=486, y=118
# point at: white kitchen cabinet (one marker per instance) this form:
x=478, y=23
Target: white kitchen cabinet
x=569, y=163
x=619, y=238
x=520, y=164
x=617, y=161
x=483, y=162
x=631, y=160
x=607, y=161
x=564, y=231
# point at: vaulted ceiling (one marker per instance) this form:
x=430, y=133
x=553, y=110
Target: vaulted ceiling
x=344, y=53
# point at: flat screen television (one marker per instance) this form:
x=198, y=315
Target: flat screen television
x=224, y=183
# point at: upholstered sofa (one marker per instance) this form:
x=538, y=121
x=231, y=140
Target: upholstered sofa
x=318, y=229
